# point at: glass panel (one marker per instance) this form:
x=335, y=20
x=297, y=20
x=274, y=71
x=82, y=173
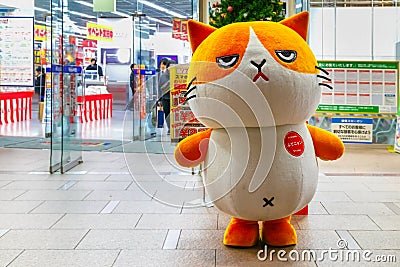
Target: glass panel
x=65, y=77
x=384, y=31
x=151, y=44
x=322, y=32
x=353, y=33
x=72, y=79
x=53, y=99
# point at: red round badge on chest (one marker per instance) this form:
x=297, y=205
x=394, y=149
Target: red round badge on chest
x=294, y=144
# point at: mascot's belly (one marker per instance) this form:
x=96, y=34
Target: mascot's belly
x=289, y=176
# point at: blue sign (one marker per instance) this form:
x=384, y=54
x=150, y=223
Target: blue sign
x=353, y=130
x=64, y=69
x=352, y=120
x=55, y=68
x=147, y=72
x=73, y=69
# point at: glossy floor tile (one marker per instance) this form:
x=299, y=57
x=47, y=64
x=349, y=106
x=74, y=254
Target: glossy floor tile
x=141, y=210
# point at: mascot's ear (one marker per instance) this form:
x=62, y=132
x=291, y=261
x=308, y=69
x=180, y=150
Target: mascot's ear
x=198, y=32
x=298, y=23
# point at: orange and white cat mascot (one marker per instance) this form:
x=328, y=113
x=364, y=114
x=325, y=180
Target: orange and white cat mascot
x=255, y=84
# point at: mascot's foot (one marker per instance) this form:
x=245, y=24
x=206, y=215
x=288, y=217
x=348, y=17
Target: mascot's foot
x=241, y=233
x=279, y=233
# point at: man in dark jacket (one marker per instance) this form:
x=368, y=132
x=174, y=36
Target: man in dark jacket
x=40, y=83
x=132, y=80
x=93, y=66
x=164, y=88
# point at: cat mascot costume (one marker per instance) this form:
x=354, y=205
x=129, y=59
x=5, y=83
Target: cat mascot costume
x=254, y=85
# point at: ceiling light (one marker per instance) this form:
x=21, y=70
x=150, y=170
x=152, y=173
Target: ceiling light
x=82, y=15
x=40, y=22
x=41, y=9
x=120, y=14
x=147, y=3
x=84, y=3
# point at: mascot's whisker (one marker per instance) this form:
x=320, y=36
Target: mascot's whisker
x=326, y=85
x=322, y=69
x=324, y=77
x=187, y=99
x=190, y=90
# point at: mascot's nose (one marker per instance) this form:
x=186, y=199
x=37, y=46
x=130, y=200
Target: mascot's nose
x=259, y=74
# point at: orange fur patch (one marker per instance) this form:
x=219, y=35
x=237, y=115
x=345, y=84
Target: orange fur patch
x=192, y=150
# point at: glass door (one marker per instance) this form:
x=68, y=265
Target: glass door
x=63, y=78
x=146, y=96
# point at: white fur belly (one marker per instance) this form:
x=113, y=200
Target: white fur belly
x=289, y=176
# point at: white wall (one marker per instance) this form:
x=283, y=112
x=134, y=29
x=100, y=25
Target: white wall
x=123, y=38
x=164, y=44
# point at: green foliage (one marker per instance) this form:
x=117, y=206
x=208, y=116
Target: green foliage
x=245, y=10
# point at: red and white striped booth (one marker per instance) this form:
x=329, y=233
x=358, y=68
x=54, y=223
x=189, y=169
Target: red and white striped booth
x=94, y=107
x=15, y=106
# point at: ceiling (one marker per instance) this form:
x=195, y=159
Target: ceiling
x=81, y=11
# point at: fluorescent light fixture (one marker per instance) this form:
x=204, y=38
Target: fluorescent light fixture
x=40, y=22
x=146, y=27
x=120, y=14
x=172, y=13
x=84, y=3
x=159, y=21
x=41, y=9
x=82, y=15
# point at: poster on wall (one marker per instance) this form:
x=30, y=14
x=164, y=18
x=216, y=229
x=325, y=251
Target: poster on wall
x=353, y=130
x=183, y=121
x=180, y=29
x=16, y=51
x=176, y=28
x=360, y=86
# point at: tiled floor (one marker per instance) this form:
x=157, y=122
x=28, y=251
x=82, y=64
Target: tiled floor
x=111, y=211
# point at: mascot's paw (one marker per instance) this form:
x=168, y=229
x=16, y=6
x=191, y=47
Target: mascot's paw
x=241, y=233
x=279, y=233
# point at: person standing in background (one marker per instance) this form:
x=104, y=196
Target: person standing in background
x=40, y=88
x=164, y=89
x=40, y=83
x=132, y=79
x=93, y=66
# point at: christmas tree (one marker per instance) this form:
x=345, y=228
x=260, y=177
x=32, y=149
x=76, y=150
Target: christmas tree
x=229, y=11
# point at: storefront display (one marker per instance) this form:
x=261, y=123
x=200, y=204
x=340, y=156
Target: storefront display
x=96, y=104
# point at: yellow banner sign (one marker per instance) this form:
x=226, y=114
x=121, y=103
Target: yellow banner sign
x=99, y=32
x=40, y=32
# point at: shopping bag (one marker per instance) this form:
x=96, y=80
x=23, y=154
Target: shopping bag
x=160, y=118
x=41, y=110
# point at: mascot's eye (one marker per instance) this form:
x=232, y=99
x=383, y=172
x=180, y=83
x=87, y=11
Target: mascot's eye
x=287, y=56
x=227, y=62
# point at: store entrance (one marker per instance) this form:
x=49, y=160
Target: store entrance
x=76, y=109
